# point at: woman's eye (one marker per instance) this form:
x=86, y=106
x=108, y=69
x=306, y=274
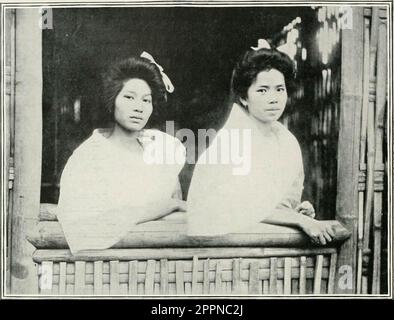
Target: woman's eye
x=281, y=89
x=262, y=90
x=129, y=97
x=147, y=101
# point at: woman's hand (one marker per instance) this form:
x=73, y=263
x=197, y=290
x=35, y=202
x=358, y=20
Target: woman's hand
x=320, y=232
x=178, y=205
x=306, y=208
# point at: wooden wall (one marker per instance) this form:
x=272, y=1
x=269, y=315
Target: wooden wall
x=362, y=189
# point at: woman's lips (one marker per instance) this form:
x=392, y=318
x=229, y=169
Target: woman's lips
x=272, y=110
x=133, y=118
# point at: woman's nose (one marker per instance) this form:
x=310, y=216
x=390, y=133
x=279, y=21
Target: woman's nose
x=273, y=98
x=138, y=107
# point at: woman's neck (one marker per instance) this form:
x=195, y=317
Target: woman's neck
x=266, y=128
x=124, y=138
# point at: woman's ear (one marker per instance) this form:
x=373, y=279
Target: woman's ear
x=244, y=103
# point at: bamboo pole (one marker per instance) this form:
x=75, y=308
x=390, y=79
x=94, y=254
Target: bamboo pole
x=349, y=141
x=360, y=253
x=364, y=114
x=49, y=234
x=381, y=83
x=360, y=250
x=371, y=135
x=9, y=104
x=175, y=253
x=28, y=148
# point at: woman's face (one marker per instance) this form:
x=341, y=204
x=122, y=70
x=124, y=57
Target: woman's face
x=133, y=105
x=267, y=96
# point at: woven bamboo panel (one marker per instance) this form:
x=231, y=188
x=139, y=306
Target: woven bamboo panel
x=233, y=276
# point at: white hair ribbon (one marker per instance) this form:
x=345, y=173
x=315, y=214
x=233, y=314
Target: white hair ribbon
x=167, y=82
x=261, y=44
x=285, y=48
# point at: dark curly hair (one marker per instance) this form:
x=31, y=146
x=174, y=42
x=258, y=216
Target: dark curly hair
x=252, y=63
x=134, y=67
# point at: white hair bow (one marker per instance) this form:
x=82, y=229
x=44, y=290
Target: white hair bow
x=167, y=82
x=285, y=48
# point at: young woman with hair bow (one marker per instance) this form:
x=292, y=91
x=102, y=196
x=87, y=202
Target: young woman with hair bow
x=110, y=183
x=220, y=201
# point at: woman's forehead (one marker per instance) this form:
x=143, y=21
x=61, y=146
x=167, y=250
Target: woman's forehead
x=269, y=78
x=136, y=85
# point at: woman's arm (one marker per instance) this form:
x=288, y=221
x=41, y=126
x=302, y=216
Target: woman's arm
x=319, y=231
x=158, y=210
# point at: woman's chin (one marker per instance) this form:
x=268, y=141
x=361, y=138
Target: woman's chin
x=133, y=126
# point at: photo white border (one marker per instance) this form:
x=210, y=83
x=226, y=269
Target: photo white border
x=202, y=3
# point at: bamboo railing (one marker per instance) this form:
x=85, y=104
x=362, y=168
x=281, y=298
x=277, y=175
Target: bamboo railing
x=158, y=258
x=372, y=187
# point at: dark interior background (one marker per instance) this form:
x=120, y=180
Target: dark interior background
x=197, y=48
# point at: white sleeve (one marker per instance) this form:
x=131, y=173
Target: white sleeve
x=83, y=208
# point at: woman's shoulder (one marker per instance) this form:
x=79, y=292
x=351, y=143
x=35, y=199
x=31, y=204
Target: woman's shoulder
x=164, y=144
x=286, y=136
x=157, y=135
x=284, y=132
x=92, y=147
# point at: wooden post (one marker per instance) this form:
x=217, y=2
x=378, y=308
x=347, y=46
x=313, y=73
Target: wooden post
x=349, y=144
x=9, y=107
x=28, y=135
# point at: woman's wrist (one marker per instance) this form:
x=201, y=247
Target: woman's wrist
x=302, y=221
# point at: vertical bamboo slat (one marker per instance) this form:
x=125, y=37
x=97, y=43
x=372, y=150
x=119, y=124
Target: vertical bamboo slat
x=370, y=184
x=114, y=277
x=377, y=243
x=331, y=273
x=303, y=275
x=265, y=287
x=363, y=141
x=79, y=277
x=156, y=290
x=381, y=92
x=294, y=286
x=179, y=277
x=206, y=277
x=46, y=277
x=194, y=275
x=98, y=277
x=150, y=276
x=287, y=277
x=188, y=288
x=133, y=273
x=360, y=242
x=318, y=274
x=62, y=278
x=228, y=287
x=273, y=276
x=218, y=278
x=236, y=275
x=164, y=276
x=254, y=283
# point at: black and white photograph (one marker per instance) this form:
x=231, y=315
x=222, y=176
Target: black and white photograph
x=236, y=149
